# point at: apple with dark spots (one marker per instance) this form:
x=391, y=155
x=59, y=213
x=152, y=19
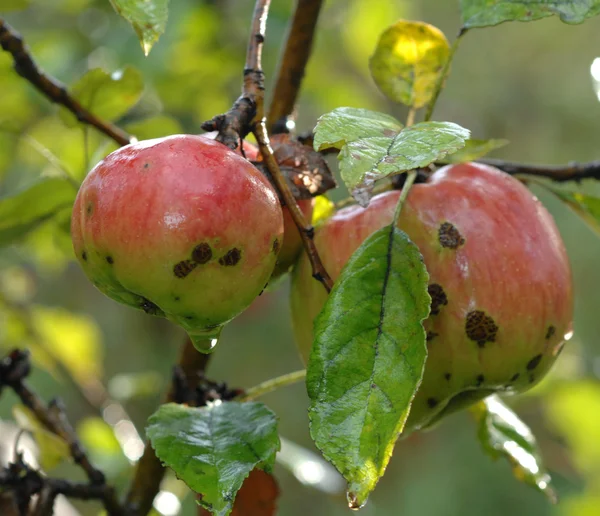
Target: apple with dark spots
x=180, y=227
x=292, y=242
x=500, y=283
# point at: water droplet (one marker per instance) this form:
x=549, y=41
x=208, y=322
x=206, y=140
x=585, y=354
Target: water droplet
x=353, y=502
x=205, y=341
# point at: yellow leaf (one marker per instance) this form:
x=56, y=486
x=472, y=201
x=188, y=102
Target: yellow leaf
x=52, y=449
x=74, y=340
x=323, y=209
x=408, y=61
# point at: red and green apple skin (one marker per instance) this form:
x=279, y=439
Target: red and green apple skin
x=500, y=283
x=180, y=227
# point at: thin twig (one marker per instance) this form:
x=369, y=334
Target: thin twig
x=443, y=76
x=558, y=173
x=12, y=42
x=300, y=37
x=259, y=129
x=271, y=385
x=149, y=471
x=247, y=114
x=14, y=368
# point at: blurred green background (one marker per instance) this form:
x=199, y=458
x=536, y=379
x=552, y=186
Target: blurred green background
x=529, y=83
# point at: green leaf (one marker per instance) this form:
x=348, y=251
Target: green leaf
x=503, y=434
x=108, y=96
x=14, y=5
x=213, y=449
x=23, y=212
x=484, y=13
x=408, y=61
x=346, y=124
x=368, y=357
x=374, y=145
x=147, y=17
x=474, y=149
x=586, y=206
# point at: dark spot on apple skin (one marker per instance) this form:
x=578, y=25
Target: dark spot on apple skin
x=84, y=256
x=146, y=165
x=479, y=380
x=110, y=260
x=480, y=327
x=183, y=268
x=432, y=402
x=438, y=298
x=448, y=376
x=89, y=209
x=202, y=253
x=231, y=258
x=515, y=377
x=534, y=362
x=449, y=236
x=276, y=246
x=177, y=298
x=531, y=378
x=550, y=333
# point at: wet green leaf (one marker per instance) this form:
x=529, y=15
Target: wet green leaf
x=346, y=124
x=408, y=61
x=483, y=13
x=374, y=145
x=368, y=357
x=108, y=96
x=503, y=434
x=22, y=212
x=147, y=17
x=213, y=449
x=474, y=149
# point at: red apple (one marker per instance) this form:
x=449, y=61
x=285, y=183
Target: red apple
x=500, y=283
x=181, y=227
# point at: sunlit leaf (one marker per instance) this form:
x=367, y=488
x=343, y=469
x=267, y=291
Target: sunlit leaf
x=483, y=13
x=22, y=212
x=52, y=449
x=374, y=145
x=503, y=434
x=147, y=17
x=368, y=357
x=71, y=339
x=474, y=149
x=586, y=206
x=213, y=449
x=108, y=96
x=95, y=434
x=408, y=61
x=573, y=409
x=323, y=209
x=257, y=496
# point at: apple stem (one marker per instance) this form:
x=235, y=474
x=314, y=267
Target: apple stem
x=410, y=179
x=24, y=64
x=271, y=385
